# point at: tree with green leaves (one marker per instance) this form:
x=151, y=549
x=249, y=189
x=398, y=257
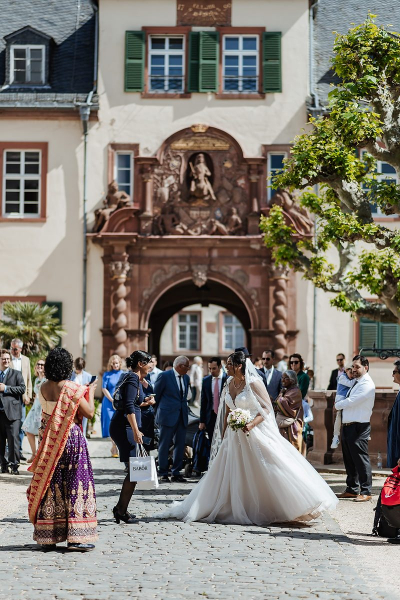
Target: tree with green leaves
x=32, y=323
x=338, y=153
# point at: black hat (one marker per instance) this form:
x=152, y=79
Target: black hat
x=244, y=350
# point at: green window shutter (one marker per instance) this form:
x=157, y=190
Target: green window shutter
x=209, y=61
x=272, y=62
x=194, y=61
x=389, y=335
x=134, y=61
x=369, y=331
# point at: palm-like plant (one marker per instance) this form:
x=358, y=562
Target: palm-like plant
x=33, y=323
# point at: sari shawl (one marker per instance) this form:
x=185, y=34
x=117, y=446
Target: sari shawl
x=53, y=442
x=290, y=404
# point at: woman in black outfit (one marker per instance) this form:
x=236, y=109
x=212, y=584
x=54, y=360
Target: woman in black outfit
x=125, y=423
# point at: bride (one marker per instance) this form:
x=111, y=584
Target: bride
x=255, y=476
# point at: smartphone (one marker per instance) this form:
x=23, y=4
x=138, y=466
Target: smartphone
x=152, y=395
x=94, y=377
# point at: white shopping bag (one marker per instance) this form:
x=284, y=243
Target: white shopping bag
x=142, y=468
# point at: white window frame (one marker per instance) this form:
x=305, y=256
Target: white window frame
x=241, y=53
x=379, y=176
x=188, y=324
x=167, y=53
x=130, y=153
x=235, y=325
x=271, y=171
x=22, y=177
x=27, y=47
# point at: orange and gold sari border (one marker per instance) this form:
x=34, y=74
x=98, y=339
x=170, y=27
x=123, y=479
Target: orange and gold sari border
x=52, y=446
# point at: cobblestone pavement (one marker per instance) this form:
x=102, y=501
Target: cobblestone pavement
x=173, y=560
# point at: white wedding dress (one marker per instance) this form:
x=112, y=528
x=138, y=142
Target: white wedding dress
x=256, y=479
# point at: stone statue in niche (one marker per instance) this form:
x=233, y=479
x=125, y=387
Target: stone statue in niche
x=200, y=185
x=298, y=215
x=113, y=201
x=233, y=225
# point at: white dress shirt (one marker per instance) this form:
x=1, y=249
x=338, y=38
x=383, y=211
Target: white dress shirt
x=17, y=363
x=268, y=374
x=154, y=374
x=357, y=406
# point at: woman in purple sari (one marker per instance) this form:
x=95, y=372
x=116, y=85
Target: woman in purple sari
x=61, y=496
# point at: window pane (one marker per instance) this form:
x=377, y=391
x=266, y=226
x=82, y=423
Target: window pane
x=157, y=43
x=182, y=318
x=13, y=184
x=175, y=43
x=231, y=43
x=228, y=318
x=19, y=53
x=11, y=208
x=193, y=318
x=249, y=43
x=36, y=53
x=175, y=61
x=123, y=161
x=386, y=168
x=30, y=197
x=31, y=184
x=249, y=61
x=36, y=77
x=276, y=161
x=124, y=176
x=20, y=76
x=31, y=209
x=231, y=61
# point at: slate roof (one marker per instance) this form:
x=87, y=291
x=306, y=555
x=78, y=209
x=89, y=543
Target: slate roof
x=339, y=16
x=70, y=27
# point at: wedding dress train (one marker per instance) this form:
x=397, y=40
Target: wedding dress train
x=258, y=478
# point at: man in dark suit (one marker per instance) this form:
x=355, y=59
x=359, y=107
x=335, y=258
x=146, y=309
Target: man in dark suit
x=273, y=377
x=12, y=389
x=210, y=395
x=340, y=358
x=171, y=389
x=259, y=371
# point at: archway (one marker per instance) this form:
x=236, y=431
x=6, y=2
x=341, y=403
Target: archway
x=186, y=294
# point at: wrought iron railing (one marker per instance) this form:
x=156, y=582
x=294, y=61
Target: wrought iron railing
x=166, y=84
x=240, y=85
x=383, y=353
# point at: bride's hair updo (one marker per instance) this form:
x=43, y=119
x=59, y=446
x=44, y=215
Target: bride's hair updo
x=136, y=357
x=238, y=360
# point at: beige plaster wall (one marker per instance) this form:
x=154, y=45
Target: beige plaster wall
x=46, y=258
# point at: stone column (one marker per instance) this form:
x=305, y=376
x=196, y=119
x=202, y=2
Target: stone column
x=119, y=270
x=279, y=309
x=253, y=217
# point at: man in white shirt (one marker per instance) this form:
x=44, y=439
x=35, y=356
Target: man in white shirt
x=273, y=377
x=211, y=394
x=154, y=372
x=357, y=410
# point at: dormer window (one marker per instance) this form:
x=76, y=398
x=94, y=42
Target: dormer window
x=27, y=58
x=27, y=65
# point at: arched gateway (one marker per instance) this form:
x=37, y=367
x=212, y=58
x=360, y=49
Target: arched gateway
x=189, y=236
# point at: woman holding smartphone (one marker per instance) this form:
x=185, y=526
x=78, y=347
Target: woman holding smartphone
x=125, y=424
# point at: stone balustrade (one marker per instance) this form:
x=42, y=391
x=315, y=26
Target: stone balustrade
x=324, y=420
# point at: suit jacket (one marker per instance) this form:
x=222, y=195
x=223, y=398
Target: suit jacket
x=86, y=377
x=275, y=385
x=207, y=398
x=332, y=385
x=169, y=404
x=12, y=397
x=26, y=374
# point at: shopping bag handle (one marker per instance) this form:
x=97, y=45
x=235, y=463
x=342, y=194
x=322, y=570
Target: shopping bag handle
x=141, y=451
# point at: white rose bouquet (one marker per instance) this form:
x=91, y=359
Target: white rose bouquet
x=238, y=419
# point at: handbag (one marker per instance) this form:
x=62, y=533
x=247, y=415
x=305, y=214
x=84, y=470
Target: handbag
x=118, y=403
x=283, y=421
x=142, y=469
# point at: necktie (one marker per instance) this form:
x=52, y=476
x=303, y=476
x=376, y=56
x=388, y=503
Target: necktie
x=216, y=395
x=1, y=376
x=180, y=386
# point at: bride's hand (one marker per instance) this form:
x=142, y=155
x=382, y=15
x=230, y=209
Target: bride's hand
x=248, y=427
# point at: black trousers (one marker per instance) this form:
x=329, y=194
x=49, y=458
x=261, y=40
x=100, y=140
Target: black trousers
x=356, y=458
x=9, y=432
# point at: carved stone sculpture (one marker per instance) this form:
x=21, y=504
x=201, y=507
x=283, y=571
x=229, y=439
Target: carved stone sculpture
x=199, y=275
x=296, y=213
x=113, y=201
x=170, y=224
x=200, y=186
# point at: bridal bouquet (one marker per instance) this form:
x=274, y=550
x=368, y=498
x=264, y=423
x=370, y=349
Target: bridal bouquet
x=238, y=419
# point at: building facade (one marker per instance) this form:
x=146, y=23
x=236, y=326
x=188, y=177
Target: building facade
x=153, y=127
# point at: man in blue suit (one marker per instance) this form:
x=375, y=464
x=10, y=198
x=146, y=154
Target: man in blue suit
x=171, y=390
x=273, y=377
x=210, y=394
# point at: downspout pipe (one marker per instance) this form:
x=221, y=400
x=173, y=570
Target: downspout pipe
x=84, y=113
x=311, y=15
